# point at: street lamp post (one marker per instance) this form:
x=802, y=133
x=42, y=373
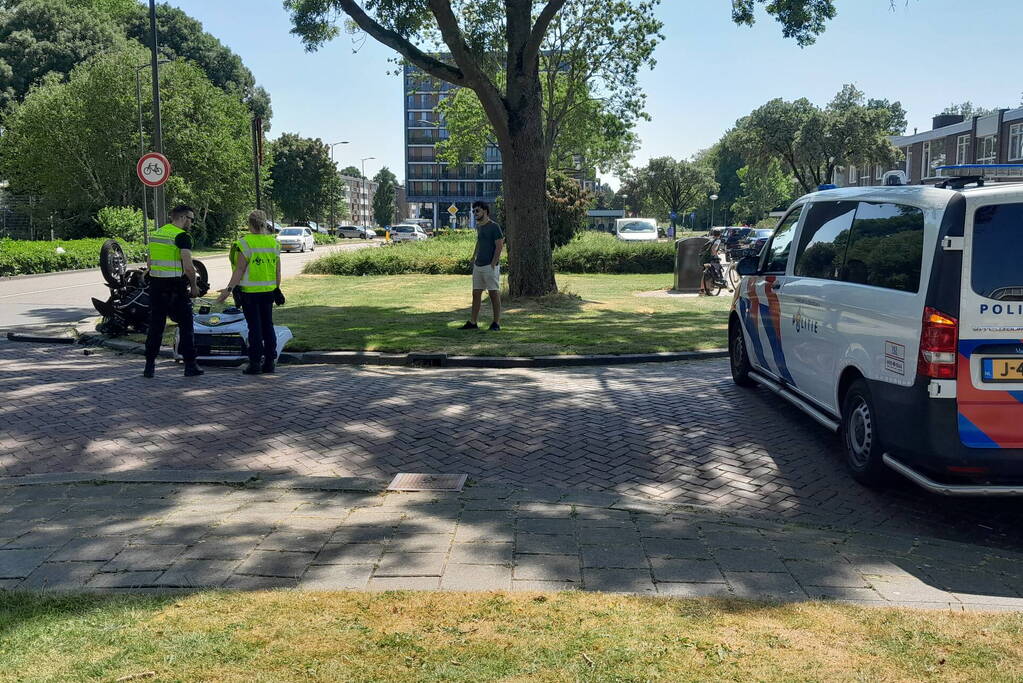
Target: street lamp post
x=365, y=187
x=333, y=182
x=713, y=198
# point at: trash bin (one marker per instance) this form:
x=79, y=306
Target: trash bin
x=688, y=264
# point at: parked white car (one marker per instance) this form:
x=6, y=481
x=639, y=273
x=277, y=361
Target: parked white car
x=296, y=238
x=636, y=229
x=407, y=233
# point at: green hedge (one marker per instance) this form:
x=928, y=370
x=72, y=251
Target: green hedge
x=323, y=238
x=24, y=257
x=450, y=252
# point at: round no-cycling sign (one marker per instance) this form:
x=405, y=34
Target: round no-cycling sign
x=153, y=169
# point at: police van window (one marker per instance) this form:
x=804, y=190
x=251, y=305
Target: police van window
x=886, y=247
x=997, y=245
x=824, y=239
x=776, y=254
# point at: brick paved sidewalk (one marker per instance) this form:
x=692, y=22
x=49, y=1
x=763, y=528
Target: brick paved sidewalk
x=155, y=531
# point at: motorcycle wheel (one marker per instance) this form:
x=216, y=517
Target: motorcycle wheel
x=202, y=278
x=112, y=263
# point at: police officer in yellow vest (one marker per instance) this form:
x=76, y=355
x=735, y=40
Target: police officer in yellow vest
x=172, y=286
x=257, y=270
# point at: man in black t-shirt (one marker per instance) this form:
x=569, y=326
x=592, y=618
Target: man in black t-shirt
x=486, y=271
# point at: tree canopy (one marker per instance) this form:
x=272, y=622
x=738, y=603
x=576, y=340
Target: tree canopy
x=675, y=187
x=41, y=37
x=304, y=178
x=92, y=119
x=470, y=42
x=810, y=141
x=351, y=172
x=384, y=197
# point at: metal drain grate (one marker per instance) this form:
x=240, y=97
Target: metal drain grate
x=409, y=481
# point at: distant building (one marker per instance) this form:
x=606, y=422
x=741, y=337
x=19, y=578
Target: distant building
x=359, y=193
x=952, y=140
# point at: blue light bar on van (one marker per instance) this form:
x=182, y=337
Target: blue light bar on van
x=981, y=170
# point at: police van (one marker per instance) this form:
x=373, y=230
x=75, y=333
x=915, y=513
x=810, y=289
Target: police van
x=894, y=316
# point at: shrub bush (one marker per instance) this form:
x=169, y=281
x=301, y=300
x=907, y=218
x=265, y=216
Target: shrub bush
x=450, y=254
x=24, y=257
x=597, y=252
x=323, y=238
x=121, y=222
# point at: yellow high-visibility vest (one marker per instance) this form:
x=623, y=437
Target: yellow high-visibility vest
x=164, y=255
x=261, y=253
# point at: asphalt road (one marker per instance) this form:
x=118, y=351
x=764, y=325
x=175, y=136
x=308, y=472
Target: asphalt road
x=36, y=300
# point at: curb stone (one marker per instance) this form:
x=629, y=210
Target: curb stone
x=423, y=359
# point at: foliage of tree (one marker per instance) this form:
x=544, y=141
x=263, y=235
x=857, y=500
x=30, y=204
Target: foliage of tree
x=182, y=36
x=384, y=197
x=763, y=189
x=303, y=177
x=465, y=42
x=567, y=204
x=675, y=186
x=968, y=110
x=92, y=119
x=40, y=37
x=726, y=158
x=351, y=172
x=811, y=141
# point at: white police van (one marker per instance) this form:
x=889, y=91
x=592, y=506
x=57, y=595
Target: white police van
x=894, y=315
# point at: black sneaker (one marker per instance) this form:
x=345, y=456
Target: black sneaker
x=251, y=369
x=149, y=370
x=470, y=325
x=494, y=327
x=268, y=367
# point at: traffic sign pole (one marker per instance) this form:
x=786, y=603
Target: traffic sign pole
x=159, y=198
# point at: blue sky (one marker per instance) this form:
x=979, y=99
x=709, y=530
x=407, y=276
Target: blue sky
x=925, y=53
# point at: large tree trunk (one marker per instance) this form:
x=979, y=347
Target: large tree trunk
x=525, y=155
x=531, y=268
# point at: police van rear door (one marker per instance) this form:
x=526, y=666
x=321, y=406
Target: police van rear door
x=989, y=383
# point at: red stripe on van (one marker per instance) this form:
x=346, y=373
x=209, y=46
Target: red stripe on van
x=998, y=414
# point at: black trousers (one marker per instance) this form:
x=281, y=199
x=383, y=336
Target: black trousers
x=170, y=301
x=258, y=310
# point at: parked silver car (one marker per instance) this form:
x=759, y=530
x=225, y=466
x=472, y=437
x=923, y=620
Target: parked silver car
x=356, y=231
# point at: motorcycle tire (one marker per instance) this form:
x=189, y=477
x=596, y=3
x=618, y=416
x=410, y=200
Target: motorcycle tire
x=113, y=263
x=202, y=278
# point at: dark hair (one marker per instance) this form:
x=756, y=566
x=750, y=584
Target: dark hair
x=181, y=209
x=482, y=205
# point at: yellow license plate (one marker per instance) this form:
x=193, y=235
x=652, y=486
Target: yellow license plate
x=1003, y=369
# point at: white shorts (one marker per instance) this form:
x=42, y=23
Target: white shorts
x=486, y=277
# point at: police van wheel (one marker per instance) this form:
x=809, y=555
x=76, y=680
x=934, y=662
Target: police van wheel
x=738, y=358
x=863, y=449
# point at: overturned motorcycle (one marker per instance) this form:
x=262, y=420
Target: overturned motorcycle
x=218, y=336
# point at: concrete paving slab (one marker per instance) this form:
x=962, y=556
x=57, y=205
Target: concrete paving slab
x=609, y=580
x=482, y=553
x=547, y=567
x=350, y=553
x=17, y=564
x=685, y=571
x=546, y=544
x=336, y=577
x=760, y=585
x=694, y=590
x=60, y=576
x=279, y=563
x=411, y=564
x=476, y=577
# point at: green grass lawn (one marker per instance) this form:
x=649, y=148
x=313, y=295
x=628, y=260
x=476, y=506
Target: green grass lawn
x=573, y=636
x=594, y=314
